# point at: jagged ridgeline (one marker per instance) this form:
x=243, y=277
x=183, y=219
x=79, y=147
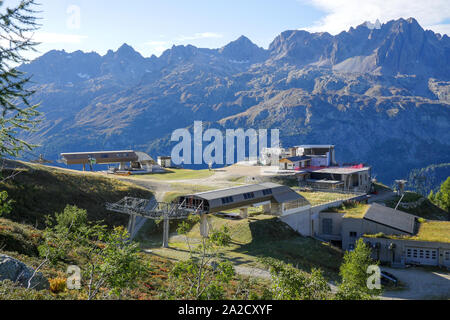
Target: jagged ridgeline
x=381, y=95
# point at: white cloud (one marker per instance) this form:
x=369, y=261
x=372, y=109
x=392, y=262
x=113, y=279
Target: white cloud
x=340, y=15
x=49, y=37
x=202, y=35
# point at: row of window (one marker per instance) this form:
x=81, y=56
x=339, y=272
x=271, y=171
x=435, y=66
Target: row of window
x=421, y=253
x=249, y=195
x=119, y=155
x=227, y=200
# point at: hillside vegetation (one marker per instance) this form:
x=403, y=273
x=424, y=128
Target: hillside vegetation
x=421, y=206
x=257, y=237
x=40, y=190
x=21, y=242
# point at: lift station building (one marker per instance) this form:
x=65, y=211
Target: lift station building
x=276, y=199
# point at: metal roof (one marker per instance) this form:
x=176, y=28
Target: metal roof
x=308, y=146
x=297, y=158
x=96, y=152
x=241, y=196
x=338, y=170
x=392, y=218
x=218, y=194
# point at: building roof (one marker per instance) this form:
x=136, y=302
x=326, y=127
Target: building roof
x=338, y=170
x=260, y=192
x=297, y=158
x=142, y=157
x=395, y=219
x=220, y=193
x=96, y=152
x=308, y=146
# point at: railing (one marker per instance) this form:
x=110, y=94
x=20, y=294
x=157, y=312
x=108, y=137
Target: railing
x=150, y=208
x=315, y=186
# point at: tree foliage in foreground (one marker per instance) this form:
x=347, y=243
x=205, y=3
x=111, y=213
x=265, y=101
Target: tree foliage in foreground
x=110, y=261
x=17, y=113
x=442, y=197
x=354, y=275
x=290, y=283
x=204, y=274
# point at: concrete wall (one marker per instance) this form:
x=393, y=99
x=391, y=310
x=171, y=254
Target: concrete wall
x=336, y=219
x=361, y=227
x=300, y=222
x=398, y=253
x=306, y=222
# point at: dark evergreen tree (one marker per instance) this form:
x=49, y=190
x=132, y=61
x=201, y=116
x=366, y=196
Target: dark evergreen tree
x=17, y=113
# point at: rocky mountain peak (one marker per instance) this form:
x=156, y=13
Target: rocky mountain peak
x=243, y=50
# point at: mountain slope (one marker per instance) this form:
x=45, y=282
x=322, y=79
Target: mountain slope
x=381, y=95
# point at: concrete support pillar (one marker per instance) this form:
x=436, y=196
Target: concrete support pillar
x=131, y=225
x=204, y=228
x=266, y=208
x=244, y=213
x=122, y=166
x=166, y=232
x=275, y=209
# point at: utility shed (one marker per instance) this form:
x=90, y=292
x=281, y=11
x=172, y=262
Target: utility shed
x=280, y=198
x=394, y=219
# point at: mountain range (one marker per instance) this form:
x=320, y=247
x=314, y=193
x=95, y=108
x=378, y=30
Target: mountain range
x=380, y=94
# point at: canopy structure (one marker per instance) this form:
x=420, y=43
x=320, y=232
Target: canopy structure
x=242, y=196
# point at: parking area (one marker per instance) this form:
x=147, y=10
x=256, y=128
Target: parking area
x=420, y=284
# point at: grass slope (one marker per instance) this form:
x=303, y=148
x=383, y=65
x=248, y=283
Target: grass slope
x=260, y=236
x=40, y=190
x=426, y=209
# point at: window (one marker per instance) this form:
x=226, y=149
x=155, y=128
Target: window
x=327, y=226
x=227, y=200
x=353, y=234
x=447, y=255
x=408, y=253
x=249, y=195
x=267, y=192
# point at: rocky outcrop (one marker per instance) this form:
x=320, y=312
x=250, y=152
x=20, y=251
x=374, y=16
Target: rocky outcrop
x=17, y=271
x=380, y=94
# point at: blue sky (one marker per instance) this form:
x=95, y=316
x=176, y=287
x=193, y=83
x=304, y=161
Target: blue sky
x=151, y=26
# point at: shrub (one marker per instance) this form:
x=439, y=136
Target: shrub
x=58, y=285
x=71, y=217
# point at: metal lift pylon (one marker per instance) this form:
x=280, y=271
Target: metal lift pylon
x=151, y=209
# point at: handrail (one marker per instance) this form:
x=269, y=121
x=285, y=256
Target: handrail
x=137, y=206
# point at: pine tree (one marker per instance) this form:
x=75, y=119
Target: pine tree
x=17, y=113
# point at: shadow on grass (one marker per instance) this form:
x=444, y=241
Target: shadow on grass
x=272, y=238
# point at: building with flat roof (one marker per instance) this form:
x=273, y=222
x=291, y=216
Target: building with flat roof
x=127, y=159
x=353, y=178
x=395, y=236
